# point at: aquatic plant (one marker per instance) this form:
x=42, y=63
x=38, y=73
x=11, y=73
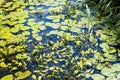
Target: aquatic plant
x=59, y=40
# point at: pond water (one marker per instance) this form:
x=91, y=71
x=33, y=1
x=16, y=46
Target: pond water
x=53, y=40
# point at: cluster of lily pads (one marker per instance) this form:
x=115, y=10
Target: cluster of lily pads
x=54, y=40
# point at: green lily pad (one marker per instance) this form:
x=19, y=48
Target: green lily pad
x=108, y=71
x=24, y=28
x=116, y=66
x=54, y=25
x=98, y=77
x=56, y=20
x=31, y=23
x=118, y=76
x=38, y=38
x=40, y=23
x=42, y=27
x=111, y=78
x=48, y=24
x=26, y=33
x=100, y=66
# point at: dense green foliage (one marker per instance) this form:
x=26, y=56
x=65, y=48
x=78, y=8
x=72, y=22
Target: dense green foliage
x=59, y=40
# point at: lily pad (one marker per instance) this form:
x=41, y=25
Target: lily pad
x=34, y=76
x=14, y=30
x=38, y=38
x=108, y=71
x=22, y=75
x=7, y=77
x=3, y=65
x=42, y=27
x=100, y=66
x=26, y=33
x=111, y=78
x=98, y=77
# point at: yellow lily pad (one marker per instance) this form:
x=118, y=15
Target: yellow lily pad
x=26, y=33
x=34, y=76
x=24, y=28
x=40, y=23
x=2, y=43
x=14, y=30
x=54, y=25
x=22, y=75
x=2, y=64
x=42, y=27
x=31, y=23
x=56, y=20
x=38, y=38
x=7, y=77
x=8, y=4
x=14, y=68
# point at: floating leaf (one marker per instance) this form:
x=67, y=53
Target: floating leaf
x=111, y=78
x=8, y=4
x=118, y=76
x=38, y=38
x=116, y=66
x=100, y=66
x=108, y=71
x=34, y=76
x=7, y=77
x=40, y=23
x=30, y=23
x=8, y=35
x=2, y=43
x=42, y=27
x=39, y=77
x=48, y=24
x=14, y=68
x=15, y=30
x=22, y=75
x=49, y=17
x=24, y=28
x=26, y=33
x=54, y=26
x=31, y=20
x=75, y=72
x=56, y=20
x=98, y=77
x=2, y=64
x=51, y=68
x=67, y=36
